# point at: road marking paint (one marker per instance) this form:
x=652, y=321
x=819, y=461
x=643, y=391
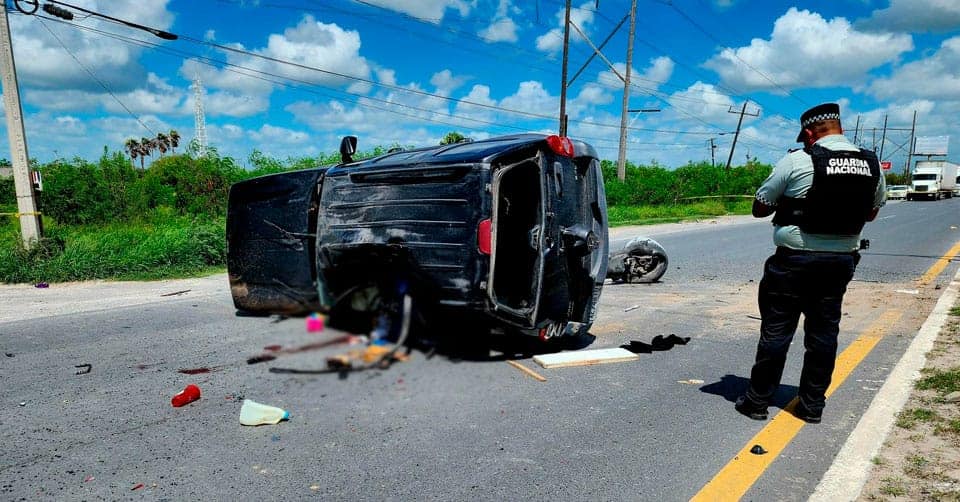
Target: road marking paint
x=735, y=478
x=940, y=264
x=526, y=370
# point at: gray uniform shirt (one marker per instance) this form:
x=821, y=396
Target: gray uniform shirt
x=792, y=177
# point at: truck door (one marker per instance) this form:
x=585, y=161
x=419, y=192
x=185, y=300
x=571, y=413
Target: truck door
x=519, y=239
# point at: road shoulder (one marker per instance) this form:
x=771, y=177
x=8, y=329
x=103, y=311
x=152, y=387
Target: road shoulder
x=854, y=471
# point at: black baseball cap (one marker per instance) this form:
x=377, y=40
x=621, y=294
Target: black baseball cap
x=819, y=113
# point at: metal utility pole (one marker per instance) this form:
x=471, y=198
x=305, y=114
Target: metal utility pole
x=713, y=149
x=736, y=135
x=856, y=131
x=622, y=157
x=563, y=78
x=913, y=130
x=30, y=227
x=883, y=137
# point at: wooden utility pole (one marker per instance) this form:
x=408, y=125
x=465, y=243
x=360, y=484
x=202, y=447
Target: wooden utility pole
x=30, y=228
x=736, y=135
x=563, y=78
x=622, y=157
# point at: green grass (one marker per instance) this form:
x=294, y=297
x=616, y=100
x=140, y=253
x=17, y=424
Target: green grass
x=159, y=249
x=893, y=486
x=941, y=381
x=906, y=419
x=648, y=215
x=955, y=311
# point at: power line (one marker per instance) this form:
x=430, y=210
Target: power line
x=715, y=39
x=92, y=74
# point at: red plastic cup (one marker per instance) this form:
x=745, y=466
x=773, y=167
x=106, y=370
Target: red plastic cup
x=189, y=394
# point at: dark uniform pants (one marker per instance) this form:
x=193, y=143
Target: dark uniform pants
x=795, y=282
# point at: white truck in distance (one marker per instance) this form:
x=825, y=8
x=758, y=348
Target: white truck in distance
x=932, y=179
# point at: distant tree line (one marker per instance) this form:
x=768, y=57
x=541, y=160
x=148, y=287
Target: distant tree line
x=79, y=192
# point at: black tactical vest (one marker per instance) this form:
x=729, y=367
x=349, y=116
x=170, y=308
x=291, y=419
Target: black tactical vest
x=841, y=196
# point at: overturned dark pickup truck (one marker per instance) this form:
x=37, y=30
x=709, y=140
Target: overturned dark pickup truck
x=508, y=233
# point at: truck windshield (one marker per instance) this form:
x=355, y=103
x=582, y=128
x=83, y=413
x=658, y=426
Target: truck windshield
x=924, y=177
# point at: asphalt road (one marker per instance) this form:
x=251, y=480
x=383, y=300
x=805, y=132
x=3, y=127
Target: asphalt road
x=460, y=425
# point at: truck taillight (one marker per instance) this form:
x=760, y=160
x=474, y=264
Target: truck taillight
x=560, y=145
x=485, y=236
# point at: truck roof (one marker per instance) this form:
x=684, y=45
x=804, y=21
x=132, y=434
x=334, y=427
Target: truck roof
x=467, y=152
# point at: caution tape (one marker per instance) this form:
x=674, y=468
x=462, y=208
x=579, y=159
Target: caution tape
x=17, y=215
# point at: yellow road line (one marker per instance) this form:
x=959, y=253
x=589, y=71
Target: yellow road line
x=528, y=371
x=733, y=481
x=940, y=264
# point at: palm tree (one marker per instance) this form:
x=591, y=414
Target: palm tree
x=146, y=148
x=132, y=147
x=174, y=138
x=162, y=142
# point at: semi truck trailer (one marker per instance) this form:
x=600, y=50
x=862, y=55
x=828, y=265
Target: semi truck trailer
x=932, y=179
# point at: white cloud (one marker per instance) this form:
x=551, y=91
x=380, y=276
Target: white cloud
x=274, y=134
x=805, y=50
x=500, y=30
x=659, y=72
x=479, y=94
x=937, y=76
x=583, y=17
x=308, y=45
x=915, y=15
x=531, y=97
x=445, y=82
x=428, y=10
x=703, y=101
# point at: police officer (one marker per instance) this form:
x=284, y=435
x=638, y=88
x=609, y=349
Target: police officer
x=822, y=196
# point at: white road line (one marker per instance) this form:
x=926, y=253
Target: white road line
x=846, y=477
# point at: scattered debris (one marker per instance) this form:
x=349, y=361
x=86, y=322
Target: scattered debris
x=8, y=354
x=176, y=293
x=137, y=486
x=314, y=323
x=23, y=403
x=755, y=317
x=253, y=413
x=585, y=357
x=303, y=348
x=233, y=396
x=189, y=394
x=273, y=348
x=658, y=343
x=274, y=438
x=526, y=370
x=908, y=291
x=758, y=450
x=314, y=487
x=628, y=309
x=661, y=343
x=84, y=368
x=261, y=359
x=692, y=381
x=42, y=285
x=88, y=479
x=638, y=347
x=194, y=371
x=953, y=397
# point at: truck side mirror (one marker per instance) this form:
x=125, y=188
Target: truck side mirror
x=348, y=147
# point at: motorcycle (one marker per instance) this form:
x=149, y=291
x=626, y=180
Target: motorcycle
x=641, y=260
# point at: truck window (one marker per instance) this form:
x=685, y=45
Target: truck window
x=924, y=177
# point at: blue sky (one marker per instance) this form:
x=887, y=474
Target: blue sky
x=290, y=77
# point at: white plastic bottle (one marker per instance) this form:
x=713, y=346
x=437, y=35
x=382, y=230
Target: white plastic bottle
x=253, y=413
